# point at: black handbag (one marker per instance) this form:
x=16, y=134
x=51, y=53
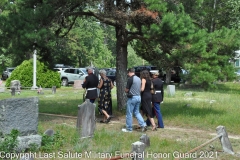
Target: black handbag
x=129, y=95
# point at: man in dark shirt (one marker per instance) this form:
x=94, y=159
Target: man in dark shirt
x=91, y=83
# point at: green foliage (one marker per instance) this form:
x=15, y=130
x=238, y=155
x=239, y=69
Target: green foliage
x=33, y=147
x=212, y=53
x=52, y=143
x=88, y=44
x=134, y=59
x=24, y=73
x=9, y=142
x=178, y=41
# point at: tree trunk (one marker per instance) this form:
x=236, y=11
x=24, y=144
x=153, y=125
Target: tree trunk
x=168, y=76
x=121, y=65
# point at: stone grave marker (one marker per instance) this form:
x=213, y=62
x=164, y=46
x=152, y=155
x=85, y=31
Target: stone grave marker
x=20, y=114
x=27, y=157
x=78, y=84
x=25, y=142
x=15, y=84
x=145, y=139
x=49, y=132
x=226, y=144
x=86, y=119
x=2, y=87
x=53, y=89
x=171, y=90
x=138, y=150
x=13, y=91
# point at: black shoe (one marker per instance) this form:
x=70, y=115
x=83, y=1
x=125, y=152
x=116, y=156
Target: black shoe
x=144, y=129
x=101, y=121
x=108, y=120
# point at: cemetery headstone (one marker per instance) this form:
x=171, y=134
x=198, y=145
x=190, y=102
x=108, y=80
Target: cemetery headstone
x=15, y=84
x=49, y=132
x=40, y=90
x=25, y=142
x=188, y=94
x=13, y=91
x=226, y=144
x=86, y=119
x=171, y=90
x=53, y=89
x=138, y=150
x=27, y=157
x=145, y=139
x=2, y=87
x=78, y=84
x=20, y=114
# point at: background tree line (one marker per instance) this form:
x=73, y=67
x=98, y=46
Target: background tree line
x=200, y=36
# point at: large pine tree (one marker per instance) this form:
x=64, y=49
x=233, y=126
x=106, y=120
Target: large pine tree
x=54, y=19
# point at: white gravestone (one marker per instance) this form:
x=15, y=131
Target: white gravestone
x=171, y=90
x=86, y=122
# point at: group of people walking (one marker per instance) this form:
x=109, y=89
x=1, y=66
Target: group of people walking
x=140, y=100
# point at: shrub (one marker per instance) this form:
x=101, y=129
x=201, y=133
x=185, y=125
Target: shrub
x=51, y=143
x=9, y=142
x=24, y=73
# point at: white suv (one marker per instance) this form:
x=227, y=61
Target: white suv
x=69, y=75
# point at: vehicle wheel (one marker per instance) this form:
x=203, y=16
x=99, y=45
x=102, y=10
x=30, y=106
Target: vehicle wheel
x=64, y=82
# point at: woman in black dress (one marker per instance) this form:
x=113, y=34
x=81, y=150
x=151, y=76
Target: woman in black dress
x=105, y=98
x=146, y=97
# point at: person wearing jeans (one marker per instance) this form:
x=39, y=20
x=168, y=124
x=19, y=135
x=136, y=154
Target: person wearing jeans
x=133, y=90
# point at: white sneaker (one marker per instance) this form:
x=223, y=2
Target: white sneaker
x=125, y=130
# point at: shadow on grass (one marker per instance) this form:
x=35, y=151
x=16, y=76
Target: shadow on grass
x=170, y=109
x=226, y=88
x=66, y=107
x=70, y=107
x=233, y=88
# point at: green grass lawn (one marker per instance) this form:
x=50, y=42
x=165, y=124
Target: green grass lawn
x=204, y=109
x=189, y=109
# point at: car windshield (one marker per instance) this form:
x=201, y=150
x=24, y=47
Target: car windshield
x=10, y=69
x=84, y=70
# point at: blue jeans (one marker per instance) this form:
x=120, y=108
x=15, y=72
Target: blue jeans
x=157, y=112
x=133, y=105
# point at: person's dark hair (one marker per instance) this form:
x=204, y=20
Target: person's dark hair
x=132, y=70
x=145, y=74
